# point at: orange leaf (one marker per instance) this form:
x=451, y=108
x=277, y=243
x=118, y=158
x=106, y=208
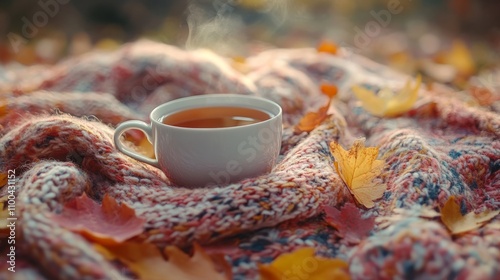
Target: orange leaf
x=452, y=217
x=329, y=90
x=144, y=259
x=349, y=223
x=302, y=264
x=4, y=215
x=327, y=47
x=222, y=265
x=106, y=224
x=387, y=103
x=3, y=179
x=147, y=262
x=357, y=168
x=200, y=266
x=313, y=119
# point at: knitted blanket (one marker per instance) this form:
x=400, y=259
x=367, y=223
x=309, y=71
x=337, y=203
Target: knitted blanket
x=56, y=133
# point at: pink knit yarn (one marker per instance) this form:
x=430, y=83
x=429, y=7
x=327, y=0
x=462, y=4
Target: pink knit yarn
x=441, y=147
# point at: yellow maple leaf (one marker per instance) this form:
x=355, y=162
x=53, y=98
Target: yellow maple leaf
x=452, y=217
x=147, y=262
x=357, y=168
x=387, y=103
x=302, y=264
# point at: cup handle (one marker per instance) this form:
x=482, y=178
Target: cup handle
x=140, y=125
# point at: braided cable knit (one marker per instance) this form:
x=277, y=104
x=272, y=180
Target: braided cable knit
x=106, y=106
x=44, y=188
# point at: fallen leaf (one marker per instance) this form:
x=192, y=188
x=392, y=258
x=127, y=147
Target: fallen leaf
x=402, y=61
x=349, y=223
x=459, y=56
x=312, y=119
x=483, y=95
x=143, y=259
x=141, y=142
x=302, y=264
x=327, y=47
x=4, y=214
x=329, y=90
x=146, y=148
x=3, y=179
x=239, y=63
x=387, y=103
x=148, y=262
x=106, y=224
x=452, y=217
x=357, y=168
x=200, y=266
x=221, y=264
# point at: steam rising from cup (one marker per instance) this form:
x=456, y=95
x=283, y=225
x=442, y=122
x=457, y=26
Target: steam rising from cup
x=222, y=26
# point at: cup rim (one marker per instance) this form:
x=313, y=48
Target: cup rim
x=157, y=122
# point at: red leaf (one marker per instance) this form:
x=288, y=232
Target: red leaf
x=349, y=223
x=106, y=224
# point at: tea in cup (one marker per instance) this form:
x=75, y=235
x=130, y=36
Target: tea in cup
x=212, y=139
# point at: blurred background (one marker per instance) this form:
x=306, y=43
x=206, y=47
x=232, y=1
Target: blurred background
x=405, y=34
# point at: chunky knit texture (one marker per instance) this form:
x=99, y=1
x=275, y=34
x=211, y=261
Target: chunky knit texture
x=57, y=126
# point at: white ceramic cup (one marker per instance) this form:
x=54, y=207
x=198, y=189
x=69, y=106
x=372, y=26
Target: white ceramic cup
x=198, y=157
